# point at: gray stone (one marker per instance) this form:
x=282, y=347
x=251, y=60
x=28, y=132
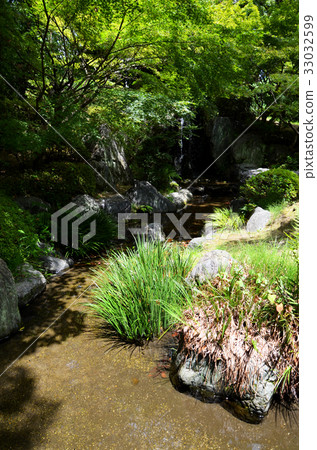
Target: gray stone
x=249, y=149
x=208, y=230
x=108, y=158
x=33, y=204
x=206, y=381
x=210, y=265
x=115, y=205
x=30, y=284
x=247, y=171
x=196, y=242
x=55, y=265
x=10, y=318
x=180, y=198
x=222, y=135
x=143, y=193
x=259, y=219
x=87, y=202
x=154, y=232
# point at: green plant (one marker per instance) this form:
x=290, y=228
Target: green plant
x=226, y=219
x=18, y=237
x=131, y=290
x=106, y=230
x=271, y=187
x=141, y=208
x=239, y=312
x=271, y=259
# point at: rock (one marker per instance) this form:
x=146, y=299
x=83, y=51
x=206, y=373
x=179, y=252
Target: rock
x=33, y=204
x=259, y=219
x=205, y=381
x=115, y=205
x=222, y=135
x=154, y=232
x=249, y=149
x=247, y=171
x=108, y=158
x=89, y=203
x=30, y=284
x=180, y=198
x=55, y=265
x=237, y=204
x=210, y=265
x=143, y=193
x=196, y=242
x=10, y=318
x=208, y=230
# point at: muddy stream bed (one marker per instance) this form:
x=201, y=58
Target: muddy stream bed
x=73, y=388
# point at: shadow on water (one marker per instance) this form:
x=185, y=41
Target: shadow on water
x=47, y=320
x=24, y=414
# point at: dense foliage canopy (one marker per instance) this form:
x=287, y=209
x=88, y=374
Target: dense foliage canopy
x=138, y=65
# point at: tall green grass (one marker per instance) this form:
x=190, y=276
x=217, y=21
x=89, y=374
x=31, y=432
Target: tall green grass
x=272, y=259
x=132, y=288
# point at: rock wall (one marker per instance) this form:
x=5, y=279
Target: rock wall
x=108, y=157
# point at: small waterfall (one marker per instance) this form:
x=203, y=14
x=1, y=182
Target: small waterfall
x=179, y=159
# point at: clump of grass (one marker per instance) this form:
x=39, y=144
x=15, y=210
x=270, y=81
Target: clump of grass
x=277, y=209
x=272, y=260
x=225, y=219
x=130, y=291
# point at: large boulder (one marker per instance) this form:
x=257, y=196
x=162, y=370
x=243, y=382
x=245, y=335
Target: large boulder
x=30, y=284
x=180, y=198
x=33, y=204
x=249, y=149
x=206, y=381
x=221, y=135
x=143, y=193
x=210, y=265
x=87, y=202
x=247, y=171
x=10, y=318
x=115, y=205
x=55, y=265
x=108, y=158
x=259, y=219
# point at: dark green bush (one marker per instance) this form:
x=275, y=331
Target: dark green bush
x=57, y=183
x=18, y=237
x=272, y=186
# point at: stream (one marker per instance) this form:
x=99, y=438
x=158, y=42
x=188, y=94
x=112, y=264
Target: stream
x=72, y=388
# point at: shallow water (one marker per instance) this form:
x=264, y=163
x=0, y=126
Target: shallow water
x=68, y=392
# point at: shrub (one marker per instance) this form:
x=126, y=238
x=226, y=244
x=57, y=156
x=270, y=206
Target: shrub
x=272, y=186
x=132, y=288
x=18, y=237
x=57, y=182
